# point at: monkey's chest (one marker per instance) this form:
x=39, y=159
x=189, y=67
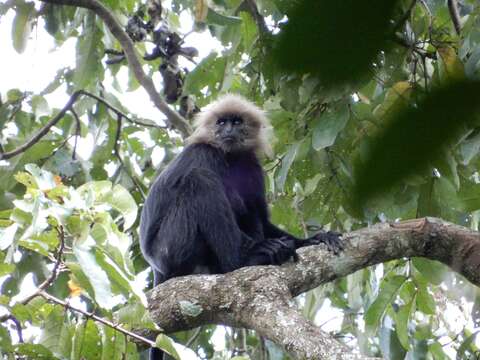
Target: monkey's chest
x=242, y=184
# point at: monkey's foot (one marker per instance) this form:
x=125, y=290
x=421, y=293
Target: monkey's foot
x=332, y=240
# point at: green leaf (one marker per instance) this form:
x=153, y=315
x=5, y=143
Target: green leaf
x=113, y=344
x=121, y=200
x=89, y=55
x=249, y=31
x=388, y=292
x=22, y=312
x=6, y=269
x=14, y=95
x=40, y=150
x=389, y=344
x=100, y=192
x=328, y=126
x=116, y=276
x=425, y=301
x=402, y=316
x=5, y=340
x=96, y=276
x=39, y=105
x=62, y=164
x=432, y=270
x=43, y=179
x=133, y=314
x=216, y=18
x=34, y=351
x=57, y=333
x=86, y=342
x=22, y=25
x=465, y=348
x=166, y=344
x=436, y=349
x=209, y=72
x=287, y=162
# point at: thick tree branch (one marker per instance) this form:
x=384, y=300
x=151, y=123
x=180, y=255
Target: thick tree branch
x=455, y=15
x=260, y=298
x=175, y=119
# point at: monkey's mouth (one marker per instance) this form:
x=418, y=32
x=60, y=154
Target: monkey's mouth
x=229, y=139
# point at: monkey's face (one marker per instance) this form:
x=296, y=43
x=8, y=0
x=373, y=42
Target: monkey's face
x=232, y=133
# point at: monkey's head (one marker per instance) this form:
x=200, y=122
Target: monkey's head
x=233, y=124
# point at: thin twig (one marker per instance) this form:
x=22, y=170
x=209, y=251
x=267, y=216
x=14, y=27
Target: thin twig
x=117, y=111
x=116, y=150
x=96, y=318
x=68, y=107
x=455, y=15
x=174, y=118
x=78, y=128
x=18, y=327
x=43, y=131
x=53, y=275
x=412, y=46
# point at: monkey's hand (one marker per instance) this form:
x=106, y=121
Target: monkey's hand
x=332, y=240
x=272, y=252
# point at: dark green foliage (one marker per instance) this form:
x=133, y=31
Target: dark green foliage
x=338, y=41
x=416, y=136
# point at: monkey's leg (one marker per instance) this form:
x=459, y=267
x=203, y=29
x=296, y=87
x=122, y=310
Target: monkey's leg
x=332, y=240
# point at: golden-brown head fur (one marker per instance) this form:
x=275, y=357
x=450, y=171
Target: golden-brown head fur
x=257, y=123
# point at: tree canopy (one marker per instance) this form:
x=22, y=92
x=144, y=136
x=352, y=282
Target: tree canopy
x=375, y=107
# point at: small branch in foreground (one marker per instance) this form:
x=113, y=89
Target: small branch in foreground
x=49, y=280
x=96, y=318
x=175, y=119
x=53, y=275
x=40, y=291
x=455, y=15
x=67, y=108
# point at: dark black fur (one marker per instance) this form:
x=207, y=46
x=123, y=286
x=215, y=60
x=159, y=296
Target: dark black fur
x=207, y=213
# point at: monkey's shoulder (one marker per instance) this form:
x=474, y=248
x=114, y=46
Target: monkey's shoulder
x=194, y=158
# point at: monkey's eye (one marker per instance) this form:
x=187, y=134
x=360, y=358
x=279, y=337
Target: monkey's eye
x=238, y=121
x=221, y=122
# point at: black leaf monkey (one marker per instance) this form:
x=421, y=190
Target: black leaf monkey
x=206, y=212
